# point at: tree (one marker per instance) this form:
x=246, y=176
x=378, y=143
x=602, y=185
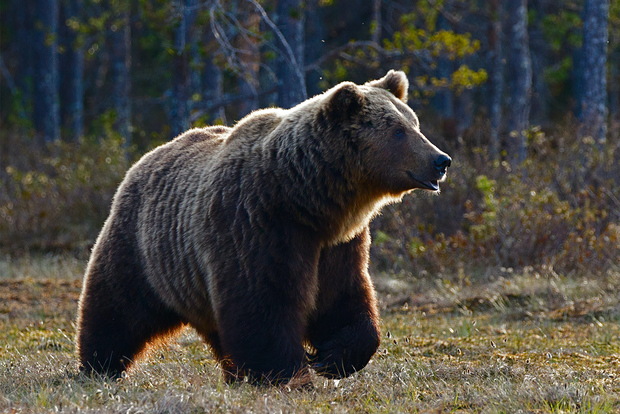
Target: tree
x=46, y=114
x=315, y=43
x=249, y=56
x=376, y=21
x=496, y=77
x=520, y=80
x=72, y=67
x=24, y=29
x=121, y=69
x=539, y=55
x=594, y=109
x=444, y=101
x=179, y=111
x=292, y=86
x=212, y=77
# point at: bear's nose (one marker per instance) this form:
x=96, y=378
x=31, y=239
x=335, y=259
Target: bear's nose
x=442, y=162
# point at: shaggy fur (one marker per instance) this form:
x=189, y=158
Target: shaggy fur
x=257, y=236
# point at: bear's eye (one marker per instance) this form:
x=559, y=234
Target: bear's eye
x=399, y=133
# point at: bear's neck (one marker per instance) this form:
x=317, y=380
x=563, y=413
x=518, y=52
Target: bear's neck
x=324, y=188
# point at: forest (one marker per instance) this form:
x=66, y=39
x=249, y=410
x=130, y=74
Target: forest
x=500, y=294
x=525, y=94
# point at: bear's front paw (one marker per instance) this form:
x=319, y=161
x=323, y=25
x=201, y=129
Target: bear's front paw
x=336, y=360
x=346, y=352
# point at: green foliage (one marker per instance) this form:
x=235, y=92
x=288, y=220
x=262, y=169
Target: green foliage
x=560, y=72
x=562, y=29
x=563, y=33
x=417, y=35
x=441, y=43
x=466, y=78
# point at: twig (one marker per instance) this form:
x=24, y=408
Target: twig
x=420, y=55
x=7, y=76
x=227, y=100
x=291, y=56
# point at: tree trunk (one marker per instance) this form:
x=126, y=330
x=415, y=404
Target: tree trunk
x=292, y=84
x=539, y=49
x=315, y=43
x=179, y=112
x=443, y=100
x=594, y=104
x=193, y=81
x=121, y=71
x=213, y=82
x=72, y=68
x=24, y=38
x=249, y=57
x=496, y=77
x=614, y=93
x=376, y=21
x=212, y=78
x=46, y=114
x=520, y=80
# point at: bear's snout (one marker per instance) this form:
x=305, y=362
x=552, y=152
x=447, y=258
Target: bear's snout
x=441, y=163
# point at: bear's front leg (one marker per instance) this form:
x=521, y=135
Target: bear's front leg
x=263, y=350
x=344, y=330
x=262, y=301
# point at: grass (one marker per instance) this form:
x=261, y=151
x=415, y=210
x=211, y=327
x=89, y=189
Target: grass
x=504, y=343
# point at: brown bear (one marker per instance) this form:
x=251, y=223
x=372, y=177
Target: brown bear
x=257, y=236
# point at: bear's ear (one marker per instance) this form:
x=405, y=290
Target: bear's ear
x=345, y=101
x=395, y=82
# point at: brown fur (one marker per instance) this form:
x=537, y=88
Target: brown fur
x=257, y=236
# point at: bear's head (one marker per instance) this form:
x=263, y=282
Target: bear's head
x=395, y=156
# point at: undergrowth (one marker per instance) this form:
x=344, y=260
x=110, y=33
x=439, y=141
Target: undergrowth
x=560, y=208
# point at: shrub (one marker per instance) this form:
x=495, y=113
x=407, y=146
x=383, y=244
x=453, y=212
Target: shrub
x=57, y=197
x=560, y=208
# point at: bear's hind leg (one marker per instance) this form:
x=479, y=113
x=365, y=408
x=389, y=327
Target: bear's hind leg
x=118, y=315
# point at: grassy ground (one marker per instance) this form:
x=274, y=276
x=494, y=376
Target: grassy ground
x=533, y=342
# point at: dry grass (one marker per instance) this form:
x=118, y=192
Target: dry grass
x=533, y=342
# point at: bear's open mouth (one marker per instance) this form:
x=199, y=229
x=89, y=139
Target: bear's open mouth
x=432, y=185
